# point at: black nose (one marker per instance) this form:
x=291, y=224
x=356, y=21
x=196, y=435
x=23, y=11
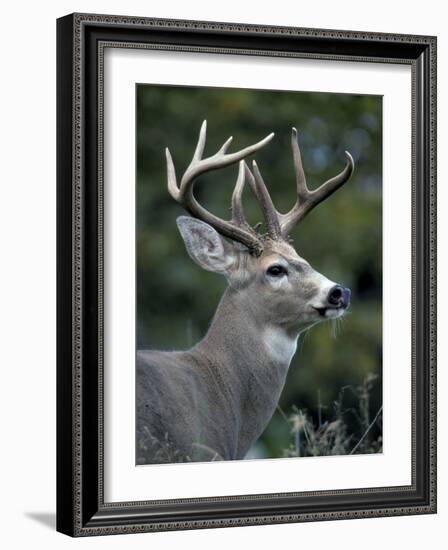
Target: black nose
x=339, y=296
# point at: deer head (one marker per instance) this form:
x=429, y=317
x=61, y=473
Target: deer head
x=270, y=278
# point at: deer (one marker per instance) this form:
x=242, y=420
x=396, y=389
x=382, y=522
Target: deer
x=213, y=401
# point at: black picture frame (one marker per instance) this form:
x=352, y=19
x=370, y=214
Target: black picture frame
x=81, y=510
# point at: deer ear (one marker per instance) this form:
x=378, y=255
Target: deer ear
x=206, y=246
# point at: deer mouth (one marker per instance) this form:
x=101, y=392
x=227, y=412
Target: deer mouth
x=330, y=312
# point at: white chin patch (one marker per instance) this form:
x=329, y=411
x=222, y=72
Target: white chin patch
x=334, y=313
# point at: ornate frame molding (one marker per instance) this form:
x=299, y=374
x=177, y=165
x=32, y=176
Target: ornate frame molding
x=81, y=42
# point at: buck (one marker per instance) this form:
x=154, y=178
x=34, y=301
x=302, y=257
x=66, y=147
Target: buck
x=214, y=400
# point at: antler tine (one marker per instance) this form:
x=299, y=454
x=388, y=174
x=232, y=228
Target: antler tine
x=302, y=189
x=270, y=214
x=237, y=229
x=238, y=216
x=306, y=199
x=199, y=151
x=219, y=160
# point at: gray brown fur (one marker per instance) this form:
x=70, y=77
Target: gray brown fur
x=213, y=401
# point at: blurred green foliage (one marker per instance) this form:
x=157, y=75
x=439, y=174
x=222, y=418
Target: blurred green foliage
x=342, y=238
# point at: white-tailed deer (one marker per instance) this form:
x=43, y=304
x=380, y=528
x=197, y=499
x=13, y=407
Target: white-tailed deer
x=214, y=400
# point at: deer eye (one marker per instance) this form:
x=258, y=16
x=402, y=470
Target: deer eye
x=276, y=270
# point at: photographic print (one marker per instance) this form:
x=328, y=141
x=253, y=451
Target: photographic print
x=259, y=274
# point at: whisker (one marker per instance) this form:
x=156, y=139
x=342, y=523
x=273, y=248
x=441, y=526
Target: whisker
x=333, y=331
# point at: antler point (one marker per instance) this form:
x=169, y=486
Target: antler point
x=349, y=157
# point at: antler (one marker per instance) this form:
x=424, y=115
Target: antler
x=237, y=228
x=306, y=199
x=280, y=225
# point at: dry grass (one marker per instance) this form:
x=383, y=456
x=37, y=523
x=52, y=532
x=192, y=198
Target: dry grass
x=331, y=436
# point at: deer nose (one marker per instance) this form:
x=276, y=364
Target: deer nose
x=339, y=296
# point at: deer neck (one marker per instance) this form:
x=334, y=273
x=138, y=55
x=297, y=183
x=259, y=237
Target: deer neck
x=239, y=342
x=249, y=361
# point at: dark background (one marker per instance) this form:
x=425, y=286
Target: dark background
x=333, y=392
